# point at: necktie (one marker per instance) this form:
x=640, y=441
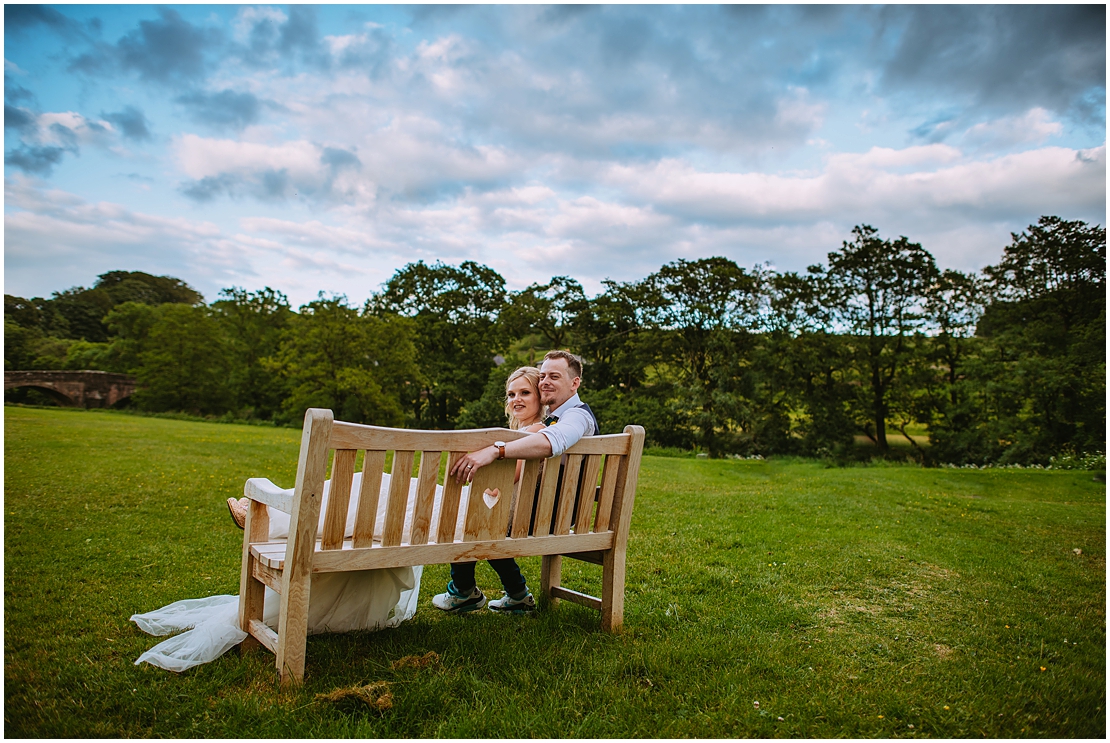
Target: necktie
x=550, y=419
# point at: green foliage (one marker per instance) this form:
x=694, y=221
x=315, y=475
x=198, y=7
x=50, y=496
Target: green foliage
x=488, y=411
x=851, y=603
x=454, y=312
x=875, y=290
x=254, y=324
x=360, y=366
x=183, y=364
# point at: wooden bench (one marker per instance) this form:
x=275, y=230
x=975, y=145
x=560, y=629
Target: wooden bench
x=540, y=508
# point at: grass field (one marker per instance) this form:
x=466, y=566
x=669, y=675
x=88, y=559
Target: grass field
x=883, y=601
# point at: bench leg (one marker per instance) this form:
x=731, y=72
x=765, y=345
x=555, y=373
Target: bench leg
x=612, y=590
x=293, y=630
x=252, y=596
x=252, y=592
x=551, y=572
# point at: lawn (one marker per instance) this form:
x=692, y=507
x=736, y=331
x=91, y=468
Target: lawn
x=765, y=599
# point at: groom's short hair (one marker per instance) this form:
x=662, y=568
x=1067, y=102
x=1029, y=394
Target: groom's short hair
x=574, y=363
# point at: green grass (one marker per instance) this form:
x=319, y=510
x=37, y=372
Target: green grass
x=848, y=602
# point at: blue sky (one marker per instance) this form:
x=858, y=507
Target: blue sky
x=320, y=148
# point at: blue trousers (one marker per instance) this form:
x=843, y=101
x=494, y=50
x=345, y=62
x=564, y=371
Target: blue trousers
x=462, y=574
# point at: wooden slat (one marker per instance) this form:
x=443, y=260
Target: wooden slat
x=546, y=504
x=425, y=497
x=526, y=497
x=586, y=500
x=262, y=490
x=368, y=494
x=565, y=508
x=558, y=592
x=339, y=498
x=614, y=443
x=356, y=436
x=608, y=487
x=397, y=506
x=264, y=635
x=449, y=507
x=368, y=558
x=267, y=575
x=484, y=522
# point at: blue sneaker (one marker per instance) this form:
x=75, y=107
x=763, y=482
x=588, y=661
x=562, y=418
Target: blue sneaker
x=454, y=602
x=508, y=605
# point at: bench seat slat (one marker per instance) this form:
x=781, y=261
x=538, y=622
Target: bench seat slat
x=268, y=575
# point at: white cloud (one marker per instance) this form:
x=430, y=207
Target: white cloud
x=876, y=184
x=1036, y=125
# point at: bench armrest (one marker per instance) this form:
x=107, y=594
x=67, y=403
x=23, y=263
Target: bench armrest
x=262, y=490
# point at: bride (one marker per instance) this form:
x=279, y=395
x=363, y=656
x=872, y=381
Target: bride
x=339, y=602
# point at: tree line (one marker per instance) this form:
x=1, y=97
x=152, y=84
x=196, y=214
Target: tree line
x=1002, y=366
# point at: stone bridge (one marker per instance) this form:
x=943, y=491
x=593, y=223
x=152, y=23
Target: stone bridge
x=75, y=389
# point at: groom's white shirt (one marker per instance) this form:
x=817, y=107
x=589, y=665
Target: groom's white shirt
x=574, y=423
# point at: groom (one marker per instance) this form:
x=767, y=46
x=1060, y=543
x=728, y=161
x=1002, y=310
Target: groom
x=568, y=420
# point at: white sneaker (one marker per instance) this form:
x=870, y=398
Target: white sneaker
x=508, y=605
x=454, y=602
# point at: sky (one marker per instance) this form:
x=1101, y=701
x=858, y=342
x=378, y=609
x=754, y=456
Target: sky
x=320, y=148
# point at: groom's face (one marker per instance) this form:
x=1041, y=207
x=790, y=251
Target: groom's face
x=557, y=384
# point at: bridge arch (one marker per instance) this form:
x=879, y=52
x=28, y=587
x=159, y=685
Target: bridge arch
x=81, y=389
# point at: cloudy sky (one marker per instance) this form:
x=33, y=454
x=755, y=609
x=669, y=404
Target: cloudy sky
x=320, y=148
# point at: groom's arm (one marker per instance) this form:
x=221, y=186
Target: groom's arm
x=535, y=446
x=549, y=442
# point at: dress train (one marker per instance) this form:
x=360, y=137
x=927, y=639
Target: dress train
x=339, y=602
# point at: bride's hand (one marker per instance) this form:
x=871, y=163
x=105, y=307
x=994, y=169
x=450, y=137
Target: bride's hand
x=465, y=468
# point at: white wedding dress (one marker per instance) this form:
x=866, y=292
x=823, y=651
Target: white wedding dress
x=338, y=602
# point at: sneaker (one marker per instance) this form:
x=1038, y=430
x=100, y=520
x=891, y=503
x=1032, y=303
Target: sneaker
x=508, y=605
x=454, y=602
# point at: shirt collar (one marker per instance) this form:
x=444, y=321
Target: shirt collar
x=574, y=401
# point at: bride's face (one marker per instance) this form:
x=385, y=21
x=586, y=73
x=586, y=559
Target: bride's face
x=524, y=402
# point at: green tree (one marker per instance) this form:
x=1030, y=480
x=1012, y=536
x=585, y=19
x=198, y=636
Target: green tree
x=253, y=323
x=875, y=289
x=1043, y=380
x=129, y=324
x=361, y=367
x=707, y=309
x=183, y=362
x=549, y=310
x=454, y=311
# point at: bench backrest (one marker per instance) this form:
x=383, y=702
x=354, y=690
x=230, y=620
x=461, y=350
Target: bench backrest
x=545, y=501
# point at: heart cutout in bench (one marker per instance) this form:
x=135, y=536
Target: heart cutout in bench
x=491, y=497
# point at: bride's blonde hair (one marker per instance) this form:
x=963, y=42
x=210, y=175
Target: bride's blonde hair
x=532, y=374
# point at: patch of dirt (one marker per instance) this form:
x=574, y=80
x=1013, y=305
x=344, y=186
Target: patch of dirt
x=415, y=661
x=943, y=651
